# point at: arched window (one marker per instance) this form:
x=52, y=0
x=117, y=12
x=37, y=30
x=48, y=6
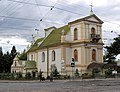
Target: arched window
x=75, y=34
x=43, y=57
x=75, y=55
x=93, y=55
x=53, y=55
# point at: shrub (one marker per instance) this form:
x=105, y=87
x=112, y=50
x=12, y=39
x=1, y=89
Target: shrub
x=56, y=73
x=28, y=75
x=77, y=73
x=19, y=75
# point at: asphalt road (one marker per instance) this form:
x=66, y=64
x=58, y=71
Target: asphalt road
x=101, y=85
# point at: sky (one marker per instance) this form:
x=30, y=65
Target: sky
x=19, y=19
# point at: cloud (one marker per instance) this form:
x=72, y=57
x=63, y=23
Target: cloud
x=16, y=41
x=63, y=12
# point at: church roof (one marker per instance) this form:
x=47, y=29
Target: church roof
x=87, y=19
x=35, y=45
x=30, y=65
x=54, y=37
x=50, y=28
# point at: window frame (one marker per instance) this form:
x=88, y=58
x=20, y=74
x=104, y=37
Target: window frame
x=76, y=55
x=75, y=34
x=53, y=55
x=43, y=57
x=94, y=55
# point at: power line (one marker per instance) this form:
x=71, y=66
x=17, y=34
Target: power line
x=18, y=18
x=46, y=6
x=56, y=8
x=15, y=28
x=30, y=3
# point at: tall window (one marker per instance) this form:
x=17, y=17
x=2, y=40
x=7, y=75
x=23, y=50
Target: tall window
x=75, y=55
x=15, y=64
x=53, y=55
x=75, y=34
x=31, y=57
x=93, y=36
x=93, y=55
x=43, y=57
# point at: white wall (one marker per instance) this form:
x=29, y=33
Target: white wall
x=30, y=54
x=57, y=61
x=42, y=65
x=68, y=55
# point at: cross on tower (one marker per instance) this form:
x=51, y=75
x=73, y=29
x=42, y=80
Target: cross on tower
x=91, y=6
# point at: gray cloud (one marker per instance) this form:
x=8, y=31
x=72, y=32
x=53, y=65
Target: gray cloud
x=55, y=17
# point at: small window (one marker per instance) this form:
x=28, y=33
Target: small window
x=75, y=55
x=15, y=64
x=75, y=34
x=43, y=57
x=93, y=55
x=53, y=55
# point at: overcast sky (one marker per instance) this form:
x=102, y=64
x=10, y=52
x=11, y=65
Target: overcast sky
x=20, y=18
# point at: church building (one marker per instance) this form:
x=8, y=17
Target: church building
x=79, y=41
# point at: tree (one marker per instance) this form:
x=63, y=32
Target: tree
x=1, y=62
x=23, y=56
x=113, y=50
x=6, y=62
x=12, y=56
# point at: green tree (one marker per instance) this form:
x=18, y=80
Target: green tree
x=23, y=56
x=1, y=62
x=6, y=59
x=113, y=50
x=12, y=56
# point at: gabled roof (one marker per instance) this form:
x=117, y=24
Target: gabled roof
x=54, y=37
x=35, y=45
x=53, y=27
x=86, y=19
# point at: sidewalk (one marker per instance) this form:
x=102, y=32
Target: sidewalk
x=31, y=81
x=55, y=81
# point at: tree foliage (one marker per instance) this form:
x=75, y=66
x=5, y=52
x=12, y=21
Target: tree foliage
x=6, y=60
x=113, y=50
x=23, y=56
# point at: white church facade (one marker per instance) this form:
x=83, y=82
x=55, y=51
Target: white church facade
x=80, y=39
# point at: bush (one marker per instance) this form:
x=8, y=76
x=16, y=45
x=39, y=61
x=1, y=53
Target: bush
x=5, y=75
x=77, y=73
x=87, y=76
x=56, y=74
x=28, y=75
x=108, y=73
x=19, y=75
x=33, y=74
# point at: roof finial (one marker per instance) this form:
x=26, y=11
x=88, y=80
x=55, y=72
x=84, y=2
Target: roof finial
x=91, y=11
